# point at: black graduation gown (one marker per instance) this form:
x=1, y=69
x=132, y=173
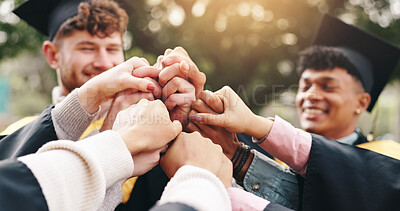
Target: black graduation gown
x=29, y=138
x=19, y=189
x=345, y=177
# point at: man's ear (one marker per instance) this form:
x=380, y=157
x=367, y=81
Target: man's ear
x=364, y=99
x=50, y=51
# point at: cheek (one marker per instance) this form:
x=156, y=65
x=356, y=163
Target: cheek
x=117, y=59
x=299, y=100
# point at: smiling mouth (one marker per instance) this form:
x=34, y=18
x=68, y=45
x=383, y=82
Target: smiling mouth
x=313, y=111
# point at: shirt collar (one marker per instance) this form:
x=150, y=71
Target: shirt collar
x=56, y=95
x=350, y=139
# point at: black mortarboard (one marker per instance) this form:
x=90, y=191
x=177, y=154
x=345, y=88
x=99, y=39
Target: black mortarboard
x=374, y=58
x=48, y=15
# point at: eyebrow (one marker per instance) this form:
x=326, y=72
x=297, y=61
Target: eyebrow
x=324, y=79
x=92, y=43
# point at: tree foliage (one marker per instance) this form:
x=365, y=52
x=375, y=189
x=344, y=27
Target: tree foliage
x=250, y=45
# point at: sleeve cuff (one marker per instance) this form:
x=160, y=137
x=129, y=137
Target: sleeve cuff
x=70, y=118
x=110, y=152
x=288, y=144
x=242, y=200
x=204, y=187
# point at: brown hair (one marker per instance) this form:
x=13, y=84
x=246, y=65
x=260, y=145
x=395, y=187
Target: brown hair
x=99, y=17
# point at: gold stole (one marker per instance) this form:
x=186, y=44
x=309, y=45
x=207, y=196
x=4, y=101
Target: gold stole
x=385, y=147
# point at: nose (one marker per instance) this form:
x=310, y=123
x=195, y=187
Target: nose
x=313, y=94
x=103, y=60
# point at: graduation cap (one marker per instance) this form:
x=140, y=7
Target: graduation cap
x=48, y=15
x=374, y=58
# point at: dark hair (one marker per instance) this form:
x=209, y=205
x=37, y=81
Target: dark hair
x=99, y=17
x=322, y=58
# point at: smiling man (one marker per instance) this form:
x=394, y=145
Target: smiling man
x=341, y=76
x=85, y=39
x=84, y=44
x=81, y=56
x=330, y=92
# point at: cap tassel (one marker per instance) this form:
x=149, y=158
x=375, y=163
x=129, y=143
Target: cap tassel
x=370, y=136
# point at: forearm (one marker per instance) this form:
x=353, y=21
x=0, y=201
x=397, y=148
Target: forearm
x=259, y=126
x=88, y=168
x=70, y=119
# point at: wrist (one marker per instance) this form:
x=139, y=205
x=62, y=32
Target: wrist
x=234, y=148
x=242, y=173
x=131, y=142
x=89, y=100
x=261, y=127
x=251, y=125
x=241, y=161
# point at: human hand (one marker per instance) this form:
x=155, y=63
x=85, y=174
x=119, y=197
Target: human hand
x=209, y=103
x=236, y=118
x=146, y=126
x=121, y=77
x=181, y=66
x=123, y=100
x=145, y=161
x=178, y=95
x=192, y=149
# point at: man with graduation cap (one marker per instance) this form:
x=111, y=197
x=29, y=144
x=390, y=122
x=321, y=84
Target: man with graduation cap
x=342, y=75
x=84, y=40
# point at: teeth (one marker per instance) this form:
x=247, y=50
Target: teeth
x=313, y=111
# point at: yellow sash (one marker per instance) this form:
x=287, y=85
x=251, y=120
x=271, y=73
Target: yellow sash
x=385, y=147
x=18, y=124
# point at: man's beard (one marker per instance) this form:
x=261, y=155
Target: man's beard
x=70, y=82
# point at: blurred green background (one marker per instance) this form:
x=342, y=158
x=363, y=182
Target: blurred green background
x=250, y=45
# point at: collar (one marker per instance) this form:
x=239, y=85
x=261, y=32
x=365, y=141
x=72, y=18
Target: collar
x=350, y=139
x=56, y=95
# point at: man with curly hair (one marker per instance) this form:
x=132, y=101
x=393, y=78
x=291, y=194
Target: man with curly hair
x=86, y=44
x=85, y=39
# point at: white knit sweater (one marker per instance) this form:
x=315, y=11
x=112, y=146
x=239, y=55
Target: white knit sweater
x=75, y=175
